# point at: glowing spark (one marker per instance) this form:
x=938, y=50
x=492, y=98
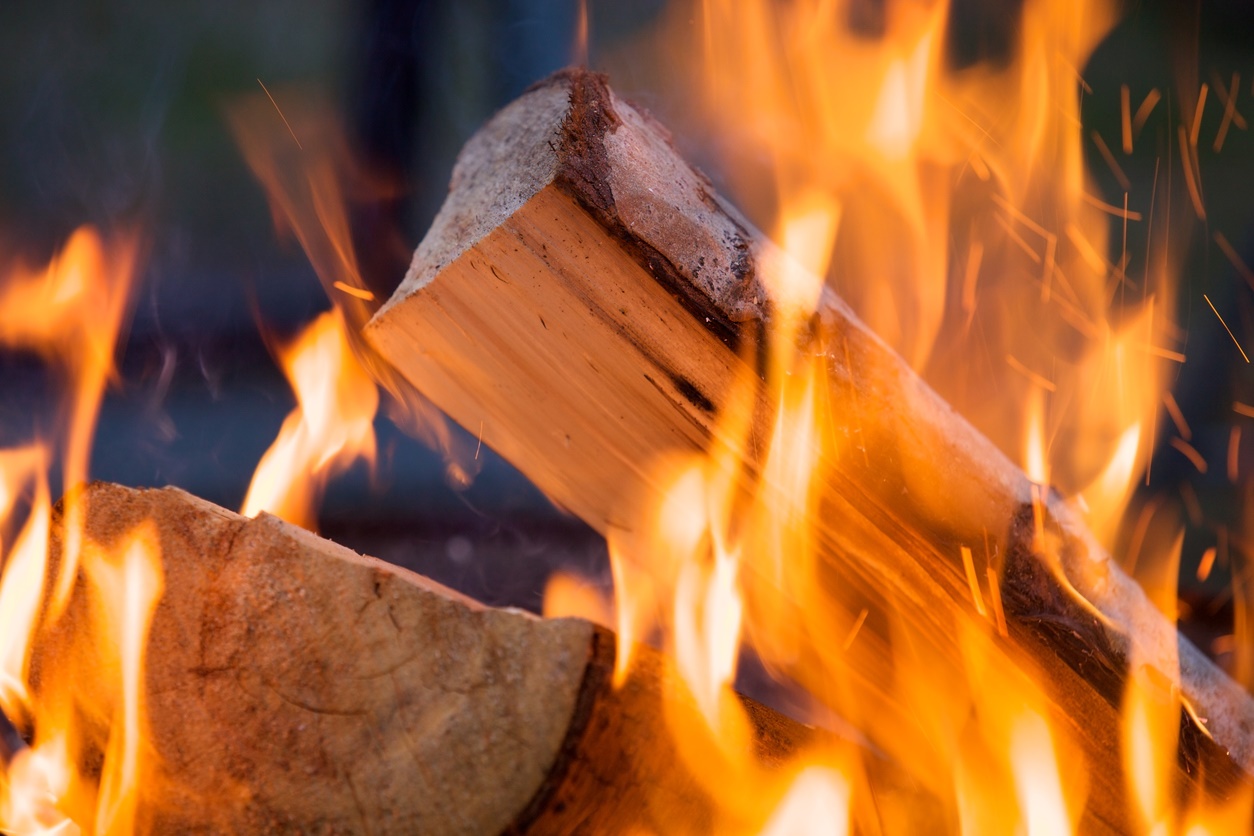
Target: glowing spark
x=1020, y=216
x=1225, y=96
x=1086, y=250
x=1226, y=328
x=1243, y=409
x=1230, y=112
x=1234, y=257
x=968, y=563
x=1234, y=454
x=1165, y=353
x=1018, y=239
x=1087, y=88
x=994, y=596
x=359, y=292
x=1190, y=452
x=479, y=446
x=1177, y=417
x=1043, y=382
x=980, y=167
x=1190, y=176
x=281, y=116
x=1197, y=114
x=1110, y=209
x=1111, y=162
x=1143, y=112
x=1125, y=113
x=1207, y=563
x=1047, y=273
x=855, y=629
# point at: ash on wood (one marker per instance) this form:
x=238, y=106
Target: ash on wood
x=295, y=686
x=583, y=301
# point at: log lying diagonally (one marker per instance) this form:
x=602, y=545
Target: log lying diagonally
x=294, y=686
x=583, y=300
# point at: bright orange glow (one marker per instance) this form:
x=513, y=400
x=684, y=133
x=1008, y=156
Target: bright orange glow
x=72, y=313
x=128, y=587
x=817, y=804
x=25, y=565
x=567, y=595
x=298, y=151
x=1036, y=778
x=951, y=209
x=331, y=427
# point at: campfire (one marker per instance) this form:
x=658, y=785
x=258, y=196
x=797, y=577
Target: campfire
x=866, y=469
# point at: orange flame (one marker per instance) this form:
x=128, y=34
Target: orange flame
x=870, y=158
x=25, y=565
x=298, y=152
x=567, y=595
x=330, y=428
x=127, y=587
x=71, y=313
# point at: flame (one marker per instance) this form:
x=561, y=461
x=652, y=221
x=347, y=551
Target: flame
x=1037, y=781
x=127, y=586
x=568, y=595
x=25, y=567
x=71, y=313
x=330, y=428
x=299, y=153
x=950, y=206
x=817, y=804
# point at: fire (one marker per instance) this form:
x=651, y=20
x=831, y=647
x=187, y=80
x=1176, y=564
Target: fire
x=298, y=152
x=817, y=803
x=25, y=567
x=71, y=313
x=567, y=595
x=1037, y=782
x=330, y=428
x=951, y=207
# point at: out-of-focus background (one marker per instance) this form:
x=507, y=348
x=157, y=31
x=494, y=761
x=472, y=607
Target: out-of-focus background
x=115, y=114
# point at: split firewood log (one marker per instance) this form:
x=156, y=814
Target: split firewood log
x=295, y=686
x=585, y=302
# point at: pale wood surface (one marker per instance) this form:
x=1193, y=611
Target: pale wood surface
x=597, y=327
x=294, y=686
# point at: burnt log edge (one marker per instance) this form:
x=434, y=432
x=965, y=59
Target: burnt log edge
x=583, y=173
x=596, y=679
x=1045, y=613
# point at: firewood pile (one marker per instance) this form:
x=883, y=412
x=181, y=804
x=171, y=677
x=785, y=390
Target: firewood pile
x=587, y=303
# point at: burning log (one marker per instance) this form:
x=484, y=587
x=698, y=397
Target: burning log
x=295, y=686
x=585, y=302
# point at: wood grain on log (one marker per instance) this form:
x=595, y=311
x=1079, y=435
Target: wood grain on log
x=295, y=686
x=583, y=301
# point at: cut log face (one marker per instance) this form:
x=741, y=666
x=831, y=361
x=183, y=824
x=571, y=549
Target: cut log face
x=295, y=686
x=583, y=301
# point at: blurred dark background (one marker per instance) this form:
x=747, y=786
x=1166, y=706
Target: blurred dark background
x=113, y=113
